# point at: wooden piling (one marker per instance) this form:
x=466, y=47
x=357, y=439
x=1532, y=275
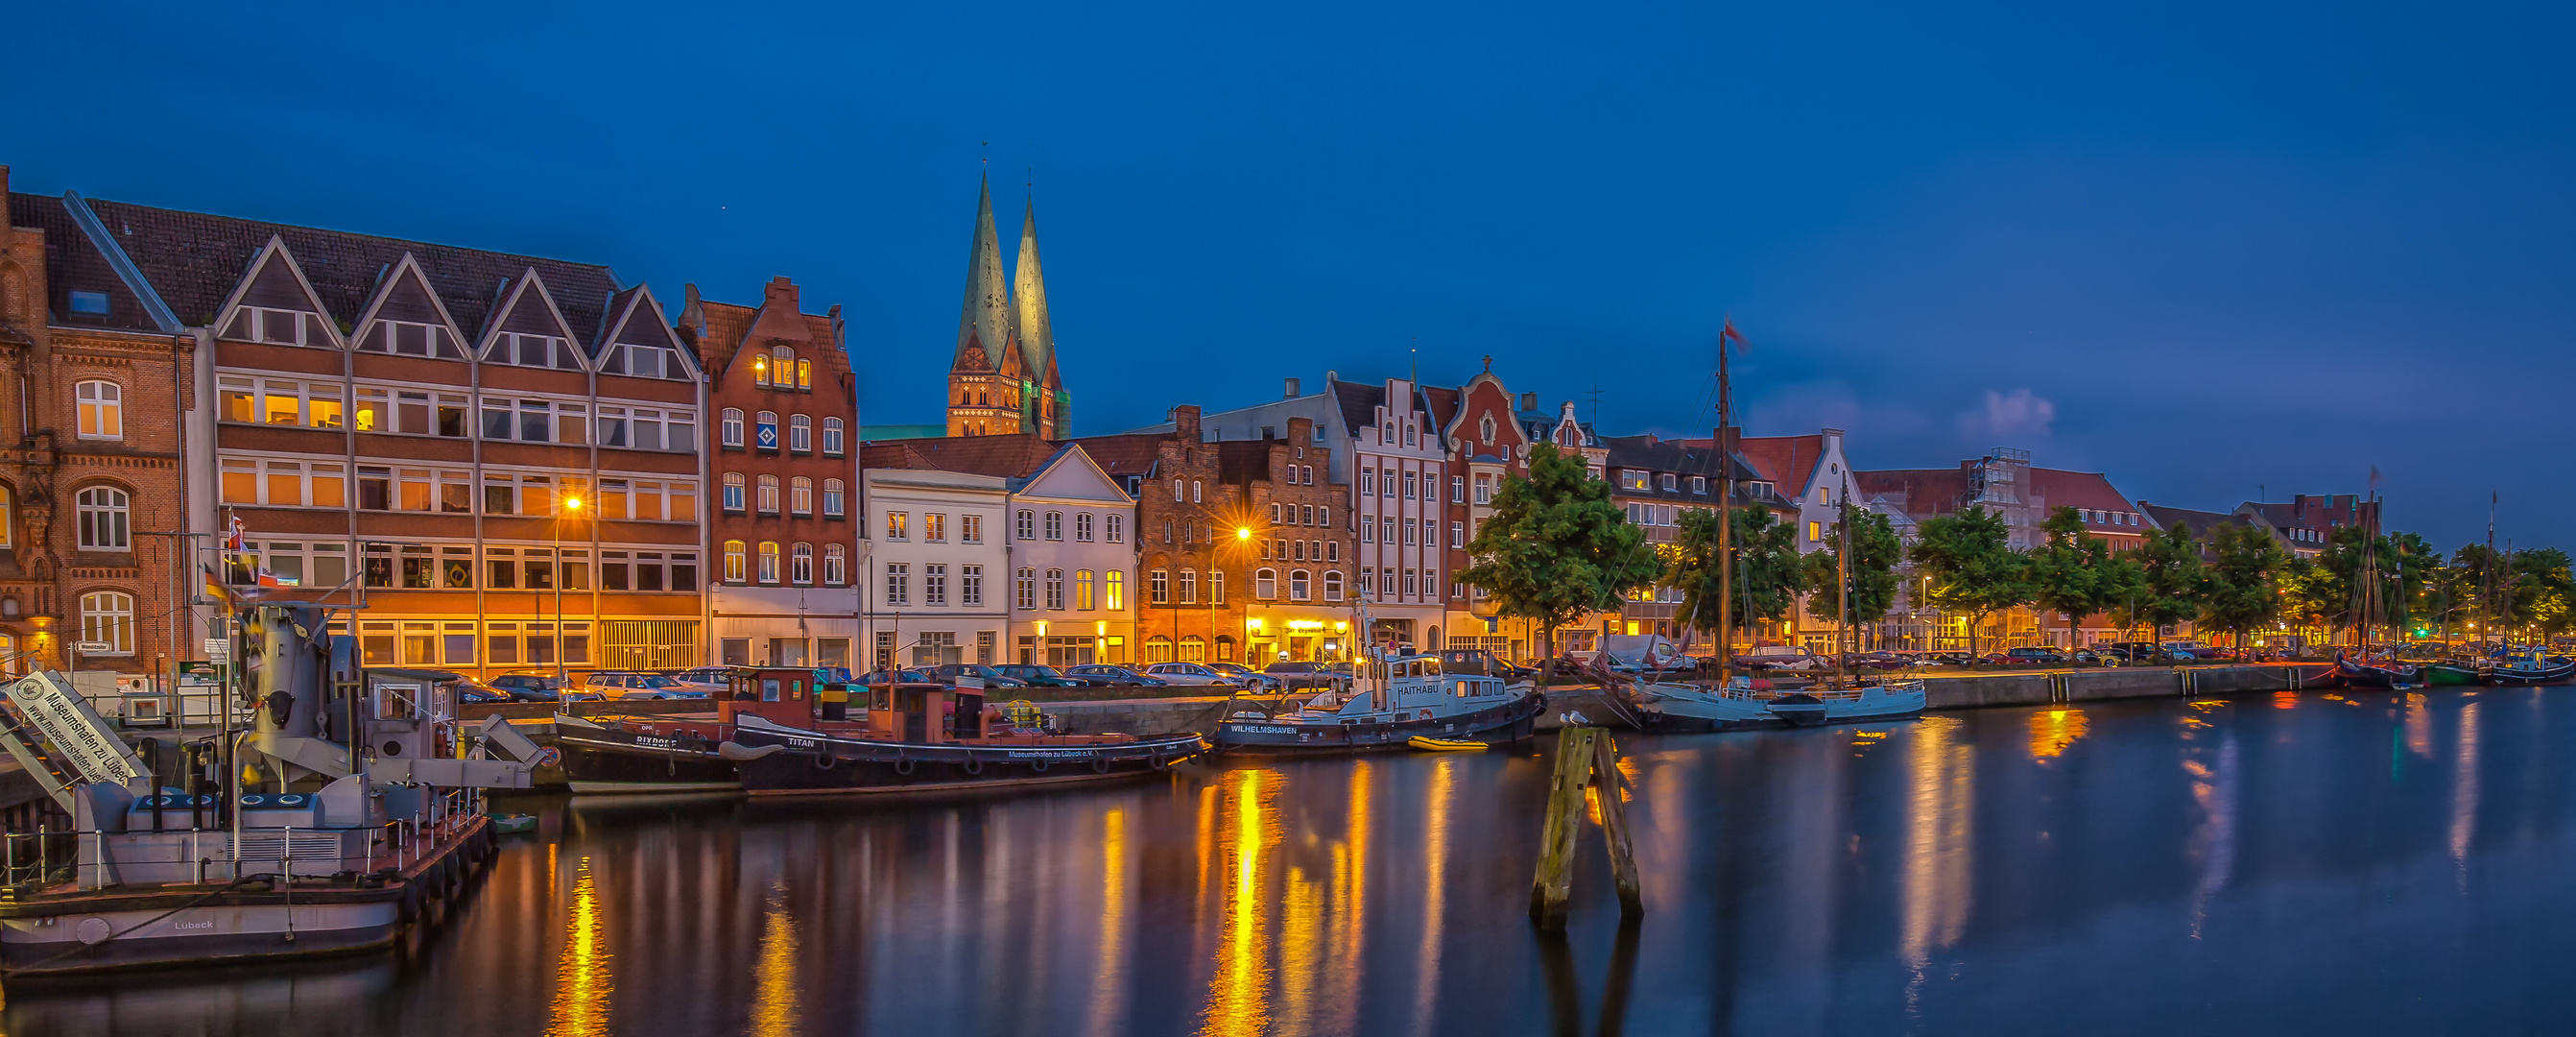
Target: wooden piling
x=1614, y=827
x=1554, y=884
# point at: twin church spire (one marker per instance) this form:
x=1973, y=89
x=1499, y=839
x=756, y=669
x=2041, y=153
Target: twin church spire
x=1004, y=379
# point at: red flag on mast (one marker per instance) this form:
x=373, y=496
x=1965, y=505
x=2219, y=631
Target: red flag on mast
x=1729, y=332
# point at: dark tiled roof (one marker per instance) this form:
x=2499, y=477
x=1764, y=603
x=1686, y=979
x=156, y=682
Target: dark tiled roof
x=1133, y=453
x=1009, y=457
x=1665, y=455
x=2198, y=523
x=195, y=259
x=73, y=263
x=1922, y=492
x=1358, y=403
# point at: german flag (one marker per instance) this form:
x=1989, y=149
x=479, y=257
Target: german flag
x=216, y=589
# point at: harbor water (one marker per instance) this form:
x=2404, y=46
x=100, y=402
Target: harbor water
x=2317, y=863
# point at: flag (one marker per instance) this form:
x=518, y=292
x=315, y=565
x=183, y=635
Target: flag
x=1729, y=332
x=216, y=588
x=233, y=534
x=269, y=579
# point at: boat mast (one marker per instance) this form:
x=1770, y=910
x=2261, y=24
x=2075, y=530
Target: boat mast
x=2486, y=570
x=1725, y=523
x=1842, y=583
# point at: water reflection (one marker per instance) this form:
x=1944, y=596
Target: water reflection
x=582, y=980
x=774, y=999
x=1108, y=990
x=1939, y=825
x=2052, y=730
x=1435, y=875
x=2213, y=843
x=1238, y=997
x=2464, y=792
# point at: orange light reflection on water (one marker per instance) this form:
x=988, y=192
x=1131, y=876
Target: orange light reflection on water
x=1239, y=994
x=582, y=979
x=2052, y=730
x=775, y=1002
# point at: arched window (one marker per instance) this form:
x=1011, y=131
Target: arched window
x=107, y=617
x=1224, y=648
x=1193, y=649
x=783, y=359
x=1297, y=585
x=836, y=565
x=760, y=371
x=733, y=427
x=1158, y=649
x=804, y=374
x=800, y=434
x=1055, y=590
x=769, y=561
x=104, y=523
x=102, y=410
x=800, y=496
x=1333, y=585
x=769, y=495
x=1265, y=584
x=733, y=491
x=733, y=561
x=832, y=495
x=1195, y=486
x=1113, y=590
x=800, y=564
x=832, y=437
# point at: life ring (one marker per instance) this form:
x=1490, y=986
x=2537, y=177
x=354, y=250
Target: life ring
x=824, y=761
x=903, y=765
x=1037, y=766
x=972, y=765
x=1099, y=765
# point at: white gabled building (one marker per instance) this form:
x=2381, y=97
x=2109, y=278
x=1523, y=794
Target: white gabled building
x=934, y=560
x=1072, y=582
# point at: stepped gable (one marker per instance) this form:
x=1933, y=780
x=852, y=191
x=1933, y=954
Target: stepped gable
x=194, y=261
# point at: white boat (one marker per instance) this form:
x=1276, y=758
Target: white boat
x=1886, y=700
x=1403, y=698
x=1741, y=705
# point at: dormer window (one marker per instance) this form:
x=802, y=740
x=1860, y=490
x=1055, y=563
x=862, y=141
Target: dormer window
x=282, y=327
x=646, y=361
x=410, y=338
x=532, y=350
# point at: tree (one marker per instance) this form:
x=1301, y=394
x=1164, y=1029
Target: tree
x=2241, y=591
x=2542, y=589
x=1766, y=568
x=1875, y=550
x=2170, y=560
x=1972, y=567
x=2121, y=583
x=1556, y=546
x=2066, y=570
x=2311, y=596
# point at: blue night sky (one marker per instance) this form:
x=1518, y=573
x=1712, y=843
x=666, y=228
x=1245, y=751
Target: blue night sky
x=2203, y=247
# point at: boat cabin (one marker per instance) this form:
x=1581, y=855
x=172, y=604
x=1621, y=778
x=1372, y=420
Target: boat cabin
x=922, y=713
x=776, y=693
x=1415, y=682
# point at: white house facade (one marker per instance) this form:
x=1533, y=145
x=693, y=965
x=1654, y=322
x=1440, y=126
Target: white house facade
x=936, y=558
x=1072, y=579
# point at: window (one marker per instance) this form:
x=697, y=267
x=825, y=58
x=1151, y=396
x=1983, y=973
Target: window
x=1195, y=486
x=104, y=523
x=898, y=584
x=1297, y=585
x=831, y=437
x=1410, y=587
x=833, y=493
x=800, y=565
x=970, y=529
x=284, y=327
x=1669, y=482
x=764, y=430
x=800, y=434
x=1386, y=483
x=1116, y=528
x=1457, y=534
x=1024, y=589
x=1082, y=527
x=1189, y=586
x=1055, y=525
x=970, y=586
x=800, y=497
x=1082, y=590
x=804, y=374
x=1333, y=585
x=1815, y=530
x=102, y=410
x=836, y=565
x=1275, y=511
x=1193, y=649
x=1457, y=489
x=1216, y=586
x=898, y=525
x=107, y=617
x=1158, y=587
x=1265, y=584
x=1409, y=483
x=92, y=303
x=1409, y=532
x=1055, y=590
x=733, y=491
x=1113, y=590
x=1368, y=482
x=733, y=561
x=732, y=428
x=769, y=561
x=1028, y=529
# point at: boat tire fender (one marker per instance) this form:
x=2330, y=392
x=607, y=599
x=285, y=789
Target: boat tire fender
x=903, y=766
x=1099, y=765
x=972, y=765
x=1159, y=763
x=824, y=761
x=1037, y=766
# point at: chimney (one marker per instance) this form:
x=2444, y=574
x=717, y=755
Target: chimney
x=1185, y=423
x=1292, y=389
x=1529, y=402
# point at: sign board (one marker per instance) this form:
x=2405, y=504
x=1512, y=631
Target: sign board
x=970, y=681
x=93, y=647
x=219, y=649
x=765, y=435
x=79, y=738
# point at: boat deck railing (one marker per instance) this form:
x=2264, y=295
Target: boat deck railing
x=93, y=858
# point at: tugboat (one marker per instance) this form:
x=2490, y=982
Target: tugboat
x=2528, y=666
x=1398, y=699
x=916, y=737
x=671, y=753
x=182, y=859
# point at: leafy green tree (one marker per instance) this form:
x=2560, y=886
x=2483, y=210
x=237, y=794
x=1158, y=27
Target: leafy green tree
x=2066, y=570
x=2170, y=560
x=1875, y=550
x=2121, y=582
x=2311, y=596
x=1767, y=579
x=2543, y=590
x=1557, y=547
x=2242, y=592
x=1971, y=566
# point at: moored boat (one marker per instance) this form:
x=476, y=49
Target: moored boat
x=631, y=754
x=916, y=737
x=1396, y=701
x=2532, y=666
x=2454, y=673
x=2389, y=675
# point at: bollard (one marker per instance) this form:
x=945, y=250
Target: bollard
x=1586, y=761
x=1614, y=827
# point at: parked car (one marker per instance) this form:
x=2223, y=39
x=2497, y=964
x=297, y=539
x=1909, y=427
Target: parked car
x=1297, y=676
x=1482, y=662
x=2031, y=656
x=528, y=686
x=1197, y=674
x=992, y=675
x=1043, y=676
x=473, y=693
x=2089, y=657
x=1249, y=678
x=1106, y=675
x=1782, y=657
x=902, y=676
x=629, y=684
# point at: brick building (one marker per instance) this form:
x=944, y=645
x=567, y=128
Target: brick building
x=1194, y=543
x=1487, y=444
x=1003, y=379
x=96, y=480
x=779, y=381
x=1301, y=596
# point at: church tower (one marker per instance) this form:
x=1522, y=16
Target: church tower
x=988, y=381
x=1048, y=411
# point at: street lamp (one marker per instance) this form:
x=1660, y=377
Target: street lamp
x=571, y=507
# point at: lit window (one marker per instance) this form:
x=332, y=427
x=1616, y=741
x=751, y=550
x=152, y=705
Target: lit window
x=107, y=617
x=1113, y=590
x=102, y=410
x=769, y=561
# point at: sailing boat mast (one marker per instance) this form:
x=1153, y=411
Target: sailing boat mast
x=1842, y=583
x=2486, y=569
x=1725, y=523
